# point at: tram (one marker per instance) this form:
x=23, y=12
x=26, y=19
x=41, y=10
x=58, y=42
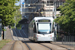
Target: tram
x=41, y=29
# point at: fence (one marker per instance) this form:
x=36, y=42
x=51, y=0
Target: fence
x=67, y=40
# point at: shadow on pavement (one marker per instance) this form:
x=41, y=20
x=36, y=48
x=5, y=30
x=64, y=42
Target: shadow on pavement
x=20, y=33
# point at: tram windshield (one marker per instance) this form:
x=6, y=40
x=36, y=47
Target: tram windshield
x=44, y=28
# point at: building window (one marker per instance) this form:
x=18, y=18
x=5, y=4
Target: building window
x=49, y=3
x=43, y=2
x=47, y=10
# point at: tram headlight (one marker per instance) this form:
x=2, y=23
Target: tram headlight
x=47, y=31
x=50, y=36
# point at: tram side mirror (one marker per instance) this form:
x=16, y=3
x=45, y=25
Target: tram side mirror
x=34, y=28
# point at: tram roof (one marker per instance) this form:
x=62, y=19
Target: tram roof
x=37, y=18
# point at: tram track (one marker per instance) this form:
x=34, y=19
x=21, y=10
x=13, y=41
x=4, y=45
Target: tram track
x=25, y=42
x=12, y=46
x=19, y=40
x=45, y=46
x=31, y=42
x=63, y=46
x=38, y=44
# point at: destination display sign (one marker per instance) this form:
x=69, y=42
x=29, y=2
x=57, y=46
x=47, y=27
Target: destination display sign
x=43, y=20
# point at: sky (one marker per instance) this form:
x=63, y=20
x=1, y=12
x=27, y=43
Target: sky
x=18, y=3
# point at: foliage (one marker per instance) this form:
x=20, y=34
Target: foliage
x=67, y=18
x=7, y=10
x=18, y=16
x=18, y=26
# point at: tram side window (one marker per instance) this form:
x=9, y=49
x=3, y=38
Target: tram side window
x=34, y=29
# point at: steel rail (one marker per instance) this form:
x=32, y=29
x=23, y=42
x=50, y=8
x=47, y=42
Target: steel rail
x=45, y=46
x=12, y=48
x=25, y=42
x=27, y=46
x=54, y=44
x=62, y=46
x=19, y=39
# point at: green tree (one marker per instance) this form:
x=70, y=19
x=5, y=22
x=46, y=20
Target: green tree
x=67, y=18
x=7, y=10
x=17, y=16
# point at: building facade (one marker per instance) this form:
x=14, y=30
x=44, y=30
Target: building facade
x=45, y=8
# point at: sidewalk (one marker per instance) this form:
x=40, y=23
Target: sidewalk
x=8, y=34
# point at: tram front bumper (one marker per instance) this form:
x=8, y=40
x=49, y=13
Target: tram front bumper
x=45, y=39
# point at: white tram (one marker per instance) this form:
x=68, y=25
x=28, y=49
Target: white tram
x=41, y=29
